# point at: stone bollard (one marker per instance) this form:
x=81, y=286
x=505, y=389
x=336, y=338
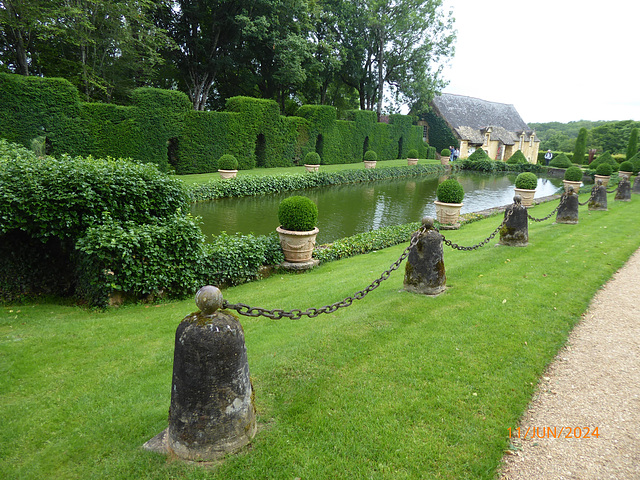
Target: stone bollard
x=515, y=232
x=568, y=209
x=424, y=271
x=636, y=185
x=624, y=189
x=598, y=199
x=212, y=409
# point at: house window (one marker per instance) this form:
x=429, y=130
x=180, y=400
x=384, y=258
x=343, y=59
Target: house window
x=425, y=133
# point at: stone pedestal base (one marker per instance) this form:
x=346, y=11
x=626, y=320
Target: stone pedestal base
x=515, y=232
x=424, y=271
x=299, y=266
x=568, y=210
x=598, y=198
x=624, y=190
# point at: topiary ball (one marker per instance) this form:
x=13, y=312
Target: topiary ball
x=370, y=156
x=604, y=170
x=450, y=191
x=227, y=162
x=626, y=166
x=445, y=152
x=298, y=213
x=312, y=158
x=527, y=181
x=413, y=153
x=573, y=174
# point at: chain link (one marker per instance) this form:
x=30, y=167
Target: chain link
x=562, y=198
x=297, y=314
x=614, y=190
x=593, y=194
x=482, y=243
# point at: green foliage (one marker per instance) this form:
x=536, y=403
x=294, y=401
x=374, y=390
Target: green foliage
x=605, y=158
x=312, y=158
x=298, y=213
x=478, y=154
x=445, y=152
x=227, y=162
x=632, y=146
x=261, y=184
x=370, y=156
x=604, y=169
x=526, y=181
x=516, y=158
x=635, y=161
x=440, y=135
x=560, y=161
x=573, y=174
x=450, y=191
x=413, y=153
x=626, y=166
x=581, y=147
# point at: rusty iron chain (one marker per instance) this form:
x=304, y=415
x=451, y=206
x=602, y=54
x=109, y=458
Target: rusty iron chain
x=483, y=242
x=614, y=190
x=562, y=198
x=593, y=193
x=297, y=314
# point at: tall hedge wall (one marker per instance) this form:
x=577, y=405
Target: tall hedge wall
x=161, y=127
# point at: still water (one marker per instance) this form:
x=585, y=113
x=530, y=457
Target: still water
x=344, y=210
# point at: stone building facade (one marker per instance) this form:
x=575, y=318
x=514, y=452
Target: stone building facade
x=497, y=128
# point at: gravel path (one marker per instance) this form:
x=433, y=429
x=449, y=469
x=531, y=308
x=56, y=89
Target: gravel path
x=593, y=382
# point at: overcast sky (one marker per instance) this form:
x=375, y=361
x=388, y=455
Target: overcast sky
x=565, y=60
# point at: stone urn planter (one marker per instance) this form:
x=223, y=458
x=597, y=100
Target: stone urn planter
x=449, y=196
x=297, y=231
x=370, y=159
x=227, y=166
x=444, y=161
x=603, y=178
x=626, y=169
x=572, y=178
x=570, y=183
x=312, y=168
x=626, y=174
x=312, y=161
x=525, y=186
x=412, y=161
x=412, y=157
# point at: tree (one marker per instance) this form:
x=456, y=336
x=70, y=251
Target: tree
x=632, y=147
x=581, y=147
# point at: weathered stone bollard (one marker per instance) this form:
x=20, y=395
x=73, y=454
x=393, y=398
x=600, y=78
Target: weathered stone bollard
x=515, y=232
x=568, y=209
x=598, y=199
x=424, y=271
x=212, y=409
x=624, y=189
x=636, y=185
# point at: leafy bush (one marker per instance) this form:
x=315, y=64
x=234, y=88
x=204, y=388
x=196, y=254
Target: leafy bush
x=312, y=158
x=445, y=152
x=450, y=191
x=626, y=166
x=298, y=213
x=413, y=153
x=478, y=154
x=604, y=169
x=516, y=158
x=573, y=174
x=370, y=156
x=560, y=161
x=227, y=162
x=635, y=161
x=527, y=181
x=605, y=158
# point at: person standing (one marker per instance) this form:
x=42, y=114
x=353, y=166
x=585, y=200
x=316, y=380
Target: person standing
x=547, y=157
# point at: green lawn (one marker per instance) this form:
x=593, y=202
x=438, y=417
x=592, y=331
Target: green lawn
x=206, y=177
x=396, y=386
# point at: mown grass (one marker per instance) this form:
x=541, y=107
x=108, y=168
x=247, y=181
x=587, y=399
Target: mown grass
x=396, y=386
x=207, y=177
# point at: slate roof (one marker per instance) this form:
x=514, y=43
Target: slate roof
x=469, y=117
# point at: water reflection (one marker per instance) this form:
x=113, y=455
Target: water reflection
x=345, y=210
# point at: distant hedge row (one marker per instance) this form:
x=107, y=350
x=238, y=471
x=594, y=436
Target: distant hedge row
x=161, y=127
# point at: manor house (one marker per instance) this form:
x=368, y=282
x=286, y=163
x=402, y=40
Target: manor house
x=497, y=128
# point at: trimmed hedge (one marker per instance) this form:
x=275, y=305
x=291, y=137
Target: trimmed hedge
x=450, y=191
x=526, y=181
x=516, y=158
x=298, y=214
x=560, y=161
x=487, y=165
x=573, y=174
x=605, y=157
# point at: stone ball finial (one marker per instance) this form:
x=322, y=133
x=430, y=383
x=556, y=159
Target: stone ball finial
x=427, y=222
x=517, y=199
x=599, y=182
x=570, y=189
x=209, y=299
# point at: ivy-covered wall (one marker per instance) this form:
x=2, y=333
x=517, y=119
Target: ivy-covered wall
x=161, y=127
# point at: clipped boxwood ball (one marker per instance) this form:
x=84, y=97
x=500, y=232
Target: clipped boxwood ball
x=298, y=213
x=312, y=158
x=450, y=191
x=604, y=170
x=227, y=162
x=626, y=166
x=413, y=153
x=527, y=181
x=370, y=156
x=573, y=174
